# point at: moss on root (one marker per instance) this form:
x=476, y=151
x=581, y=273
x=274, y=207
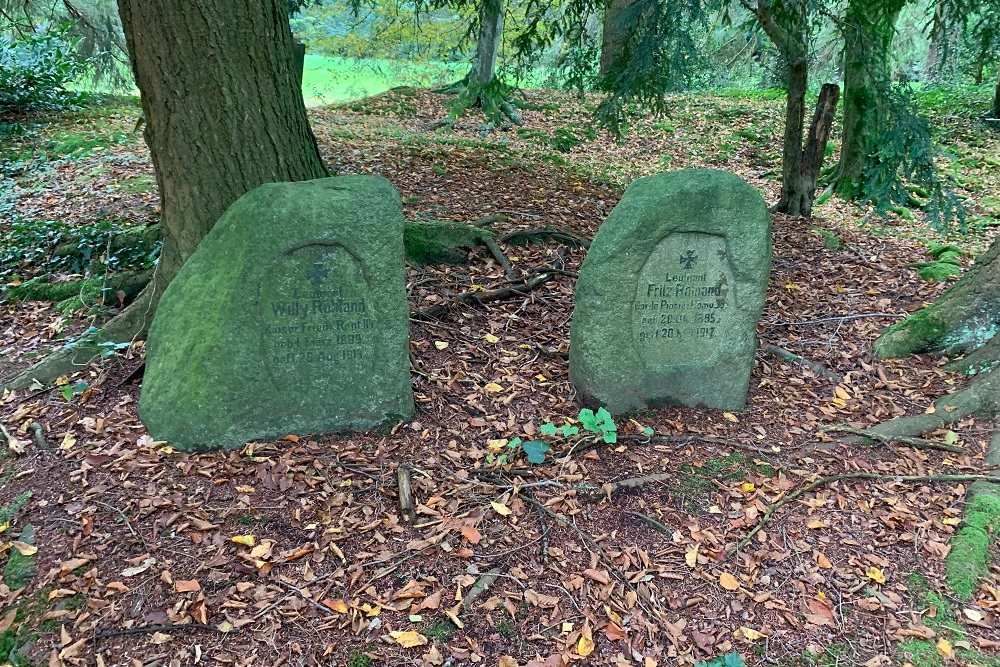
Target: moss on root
x=968, y=559
x=77, y=294
x=917, y=332
x=441, y=242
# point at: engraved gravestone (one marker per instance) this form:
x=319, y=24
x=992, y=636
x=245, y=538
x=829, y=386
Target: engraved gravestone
x=670, y=294
x=291, y=316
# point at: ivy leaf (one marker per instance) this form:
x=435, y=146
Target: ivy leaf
x=568, y=430
x=648, y=430
x=548, y=428
x=588, y=419
x=535, y=449
x=611, y=437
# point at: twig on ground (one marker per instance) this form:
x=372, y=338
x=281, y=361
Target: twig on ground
x=485, y=581
x=500, y=257
x=639, y=482
x=557, y=234
x=302, y=594
x=916, y=443
x=686, y=439
x=170, y=627
x=778, y=504
x=838, y=318
x=815, y=367
x=651, y=522
x=521, y=288
x=405, y=493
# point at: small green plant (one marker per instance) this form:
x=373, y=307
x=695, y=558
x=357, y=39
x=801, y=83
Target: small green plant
x=947, y=262
x=359, y=659
x=729, y=660
x=441, y=630
x=599, y=424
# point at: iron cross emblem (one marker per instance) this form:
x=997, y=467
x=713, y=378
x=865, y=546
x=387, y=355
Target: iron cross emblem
x=317, y=274
x=689, y=259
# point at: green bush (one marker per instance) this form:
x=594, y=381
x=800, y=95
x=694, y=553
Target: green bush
x=35, y=69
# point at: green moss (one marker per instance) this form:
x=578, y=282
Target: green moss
x=919, y=331
x=968, y=559
x=437, y=241
x=831, y=240
x=441, y=630
x=359, y=659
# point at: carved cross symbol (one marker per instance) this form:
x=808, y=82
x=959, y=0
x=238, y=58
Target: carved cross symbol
x=317, y=274
x=689, y=259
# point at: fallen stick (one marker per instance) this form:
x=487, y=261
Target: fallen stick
x=778, y=504
x=651, y=522
x=916, y=443
x=405, y=493
x=154, y=628
x=521, y=288
x=639, y=482
x=815, y=367
x=484, y=582
x=500, y=257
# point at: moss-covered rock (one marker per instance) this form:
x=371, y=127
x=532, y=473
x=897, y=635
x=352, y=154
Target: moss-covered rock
x=670, y=294
x=440, y=241
x=291, y=316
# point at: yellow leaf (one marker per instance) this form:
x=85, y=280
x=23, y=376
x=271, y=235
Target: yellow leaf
x=490, y=338
x=952, y=521
x=749, y=634
x=747, y=487
x=338, y=605
x=225, y=626
x=493, y=388
x=729, y=416
x=441, y=344
x=245, y=540
x=25, y=549
x=68, y=441
x=839, y=402
x=815, y=524
x=585, y=645
x=691, y=556
x=823, y=561
x=944, y=648
x=500, y=509
x=728, y=582
x=4, y=526
x=931, y=410
x=841, y=393
x=875, y=574
x=409, y=638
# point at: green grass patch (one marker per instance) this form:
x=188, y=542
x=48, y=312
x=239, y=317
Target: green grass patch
x=328, y=80
x=968, y=559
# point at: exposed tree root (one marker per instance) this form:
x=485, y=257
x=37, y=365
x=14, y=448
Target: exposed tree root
x=520, y=288
x=530, y=235
x=126, y=327
x=916, y=443
x=816, y=483
x=496, y=99
x=815, y=367
x=72, y=295
x=980, y=398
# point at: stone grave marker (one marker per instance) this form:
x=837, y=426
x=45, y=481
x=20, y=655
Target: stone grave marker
x=670, y=293
x=290, y=317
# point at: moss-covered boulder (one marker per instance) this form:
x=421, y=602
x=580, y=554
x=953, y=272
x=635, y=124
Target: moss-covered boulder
x=670, y=294
x=291, y=316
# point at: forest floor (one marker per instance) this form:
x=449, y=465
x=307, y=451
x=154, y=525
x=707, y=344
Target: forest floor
x=296, y=551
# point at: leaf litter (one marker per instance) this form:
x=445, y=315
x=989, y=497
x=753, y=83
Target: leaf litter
x=296, y=551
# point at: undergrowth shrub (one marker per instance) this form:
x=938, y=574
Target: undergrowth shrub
x=35, y=70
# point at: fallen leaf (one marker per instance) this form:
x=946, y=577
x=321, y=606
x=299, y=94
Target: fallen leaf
x=245, y=540
x=875, y=574
x=585, y=645
x=470, y=533
x=187, y=586
x=728, y=582
x=944, y=648
x=500, y=509
x=338, y=605
x=493, y=388
x=408, y=638
x=691, y=556
x=25, y=549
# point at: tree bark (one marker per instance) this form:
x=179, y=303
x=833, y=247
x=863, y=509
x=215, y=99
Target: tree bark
x=963, y=320
x=614, y=35
x=995, y=112
x=869, y=28
x=786, y=24
x=488, y=45
x=224, y=113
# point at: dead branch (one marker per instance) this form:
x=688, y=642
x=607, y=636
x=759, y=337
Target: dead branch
x=484, y=582
x=651, y=522
x=879, y=477
x=639, y=482
x=917, y=443
x=521, y=288
x=500, y=257
x=686, y=439
x=528, y=235
x=405, y=493
x=815, y=367
x=170, y=627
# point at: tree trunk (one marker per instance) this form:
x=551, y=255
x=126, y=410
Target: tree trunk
x=792, y=197
x=224, y=114
x=869, y=28
x=488, y=46
x=995, y=112
x=614, y=34
x=963, y=320
x=819, y=134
